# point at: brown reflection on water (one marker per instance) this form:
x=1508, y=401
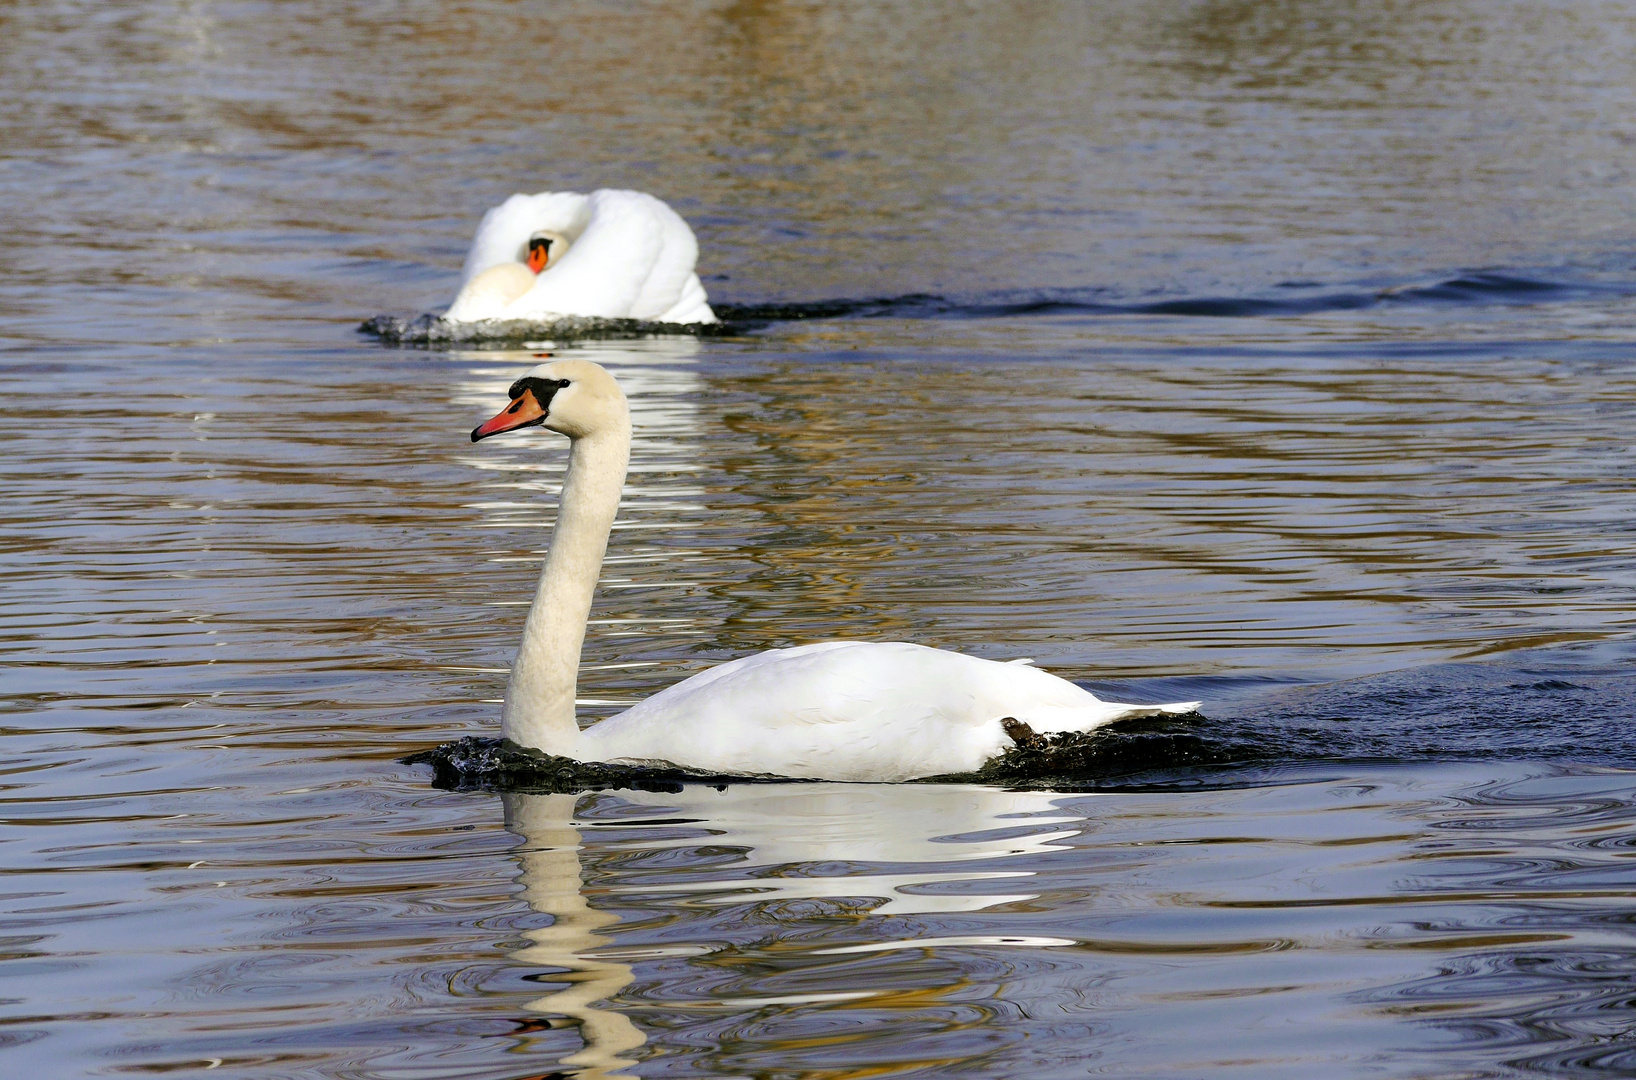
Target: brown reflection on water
x=1154, y=506
x=336, y=168
x=256, y=579
x=280, y=536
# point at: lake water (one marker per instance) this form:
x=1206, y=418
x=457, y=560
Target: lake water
x=1277, y=354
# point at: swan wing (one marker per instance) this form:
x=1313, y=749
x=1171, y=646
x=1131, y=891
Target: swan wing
x=848, y=711
x=672, y=273
x=672, y=292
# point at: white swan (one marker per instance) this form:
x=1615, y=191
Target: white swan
x=840, y=710
x=611, y=254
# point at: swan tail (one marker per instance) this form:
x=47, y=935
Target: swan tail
x=1054, y=721
x=1175, y=708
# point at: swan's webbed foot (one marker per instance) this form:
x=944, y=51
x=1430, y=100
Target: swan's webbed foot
x=1025, y=737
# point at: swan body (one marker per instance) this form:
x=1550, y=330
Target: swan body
x=612, y=254
x=840, y=710
x=849, y=710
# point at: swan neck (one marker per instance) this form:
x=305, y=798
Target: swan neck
x=539, y=708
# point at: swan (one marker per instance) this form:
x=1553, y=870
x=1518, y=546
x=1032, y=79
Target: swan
x=609, y=254
x=837, y=710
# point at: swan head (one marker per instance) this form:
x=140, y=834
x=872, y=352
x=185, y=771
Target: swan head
x=544, y=248
x=575, y=398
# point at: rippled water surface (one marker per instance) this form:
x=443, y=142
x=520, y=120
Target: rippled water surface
x=1275, y=354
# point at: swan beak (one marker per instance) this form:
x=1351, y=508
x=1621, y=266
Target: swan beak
x=524, y=411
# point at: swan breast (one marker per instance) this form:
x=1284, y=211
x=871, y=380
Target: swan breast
x=491, y=292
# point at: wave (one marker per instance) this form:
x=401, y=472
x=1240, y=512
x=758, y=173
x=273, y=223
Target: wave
x=1296, y=298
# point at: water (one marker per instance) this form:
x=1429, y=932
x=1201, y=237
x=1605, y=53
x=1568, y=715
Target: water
x=1274, y=354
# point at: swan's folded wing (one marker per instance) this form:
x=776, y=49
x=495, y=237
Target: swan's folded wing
x=838, y=710
x=488, y=294
x=671, y=279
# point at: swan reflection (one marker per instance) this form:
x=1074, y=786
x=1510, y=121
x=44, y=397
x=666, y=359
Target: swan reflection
x=549, y=861
x=903, y=849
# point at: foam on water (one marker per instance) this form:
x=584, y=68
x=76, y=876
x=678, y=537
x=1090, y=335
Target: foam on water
x=429, y=331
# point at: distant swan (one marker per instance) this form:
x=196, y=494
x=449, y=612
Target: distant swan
x=840, y=710
x=610, y=254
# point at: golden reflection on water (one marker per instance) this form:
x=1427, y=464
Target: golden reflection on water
x=1230, y=515
x=822, y=150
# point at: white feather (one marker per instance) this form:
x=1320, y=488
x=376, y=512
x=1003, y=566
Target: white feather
x=849, y=710
x=630, y=256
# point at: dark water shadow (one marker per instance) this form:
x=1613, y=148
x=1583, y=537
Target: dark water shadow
x=1296, y=298
x=1566, y=704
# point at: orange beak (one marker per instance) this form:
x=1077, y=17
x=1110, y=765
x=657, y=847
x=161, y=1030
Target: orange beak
x=524, y=411
x=537, y=257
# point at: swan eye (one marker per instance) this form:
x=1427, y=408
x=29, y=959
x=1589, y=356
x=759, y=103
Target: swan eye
x=543, y=388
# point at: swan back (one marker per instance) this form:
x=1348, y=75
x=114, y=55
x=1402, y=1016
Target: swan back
x=632, y=261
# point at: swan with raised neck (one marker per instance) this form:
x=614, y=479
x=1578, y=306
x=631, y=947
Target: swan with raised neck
x=837, y=710
x=581, y=400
